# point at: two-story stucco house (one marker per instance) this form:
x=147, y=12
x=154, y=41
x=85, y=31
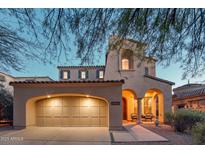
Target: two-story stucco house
x=96, y=96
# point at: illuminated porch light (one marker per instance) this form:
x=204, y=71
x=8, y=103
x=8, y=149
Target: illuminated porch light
x=48, y=96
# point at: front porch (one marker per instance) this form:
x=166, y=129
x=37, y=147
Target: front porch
x=147, y=110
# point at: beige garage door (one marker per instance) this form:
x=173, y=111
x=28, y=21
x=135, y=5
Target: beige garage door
x=72, y=111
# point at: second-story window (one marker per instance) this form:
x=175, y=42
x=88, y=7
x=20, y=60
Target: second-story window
x=146, y=71
x=127, y=59
x=83, y=74
x=125, y=64
x=100, y=74
x=65, y=75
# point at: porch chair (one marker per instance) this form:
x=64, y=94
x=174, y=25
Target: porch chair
x=134, y=117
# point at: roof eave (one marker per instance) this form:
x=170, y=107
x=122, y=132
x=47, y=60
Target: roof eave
x=66, y=82
x=160, y=80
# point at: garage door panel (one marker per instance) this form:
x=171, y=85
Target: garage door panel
x=70, y=101
x=103, y=121
x=84, y=121
x=48, y=111
x=74, y=121
x=57, y=121
x=40, y=103
x=75, y=111
x=102, y=103
x=66, y=122
x=103, y=111
x=84, y=111
x=39, y=111
x=54, y=102
x=88, y=102
x=72, y=111
x=40, y=121
x=94, y=111
x=66, y=111
x=95, y=121
x=56, y=111
x=48, y=122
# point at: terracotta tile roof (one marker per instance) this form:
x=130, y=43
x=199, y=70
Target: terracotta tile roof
x=94, y=66
x=59, y=82
x=191, y=93
x=158, y=79
x=188, y=86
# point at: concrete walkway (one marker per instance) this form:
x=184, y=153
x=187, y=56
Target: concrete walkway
x=136, y=133
x=56, y=135
x=77, y=135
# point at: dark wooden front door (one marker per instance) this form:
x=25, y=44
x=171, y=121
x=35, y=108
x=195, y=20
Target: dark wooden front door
x=124, y=108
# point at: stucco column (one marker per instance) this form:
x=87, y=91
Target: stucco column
x=139, y=110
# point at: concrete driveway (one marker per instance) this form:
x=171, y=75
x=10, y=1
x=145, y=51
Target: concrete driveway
x=56, y=135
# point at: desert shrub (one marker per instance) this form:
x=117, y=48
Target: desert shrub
x=185, y=119
x=169, y=118
x=198, y=133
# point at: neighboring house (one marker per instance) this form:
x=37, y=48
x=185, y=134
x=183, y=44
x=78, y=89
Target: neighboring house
x=100, y=96
x=5, y=79
x=190, y=96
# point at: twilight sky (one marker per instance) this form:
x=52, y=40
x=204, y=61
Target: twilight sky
x=33, y=68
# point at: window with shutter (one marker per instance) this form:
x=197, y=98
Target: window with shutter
x=68, y=74
x=87, y=74
x=101, y=74
x=79, y=74
x=97, y=74
x=61, y=74
x=83, y=74
x=65, y=75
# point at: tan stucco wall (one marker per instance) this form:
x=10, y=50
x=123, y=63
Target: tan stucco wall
x=23, y=93
x=31, y=114
x=135, y=80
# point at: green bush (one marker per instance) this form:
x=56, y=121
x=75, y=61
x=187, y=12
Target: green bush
x=198, y=133
x=169, y=118
x=185, y=119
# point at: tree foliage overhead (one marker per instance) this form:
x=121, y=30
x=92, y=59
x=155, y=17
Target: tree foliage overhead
x=172, y=35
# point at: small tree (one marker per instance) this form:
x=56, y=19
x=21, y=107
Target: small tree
x=6, y=104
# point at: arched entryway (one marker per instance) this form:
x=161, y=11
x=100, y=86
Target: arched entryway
x=124, y=108
x=68, y=111
x=129, y=104
x=152, y=106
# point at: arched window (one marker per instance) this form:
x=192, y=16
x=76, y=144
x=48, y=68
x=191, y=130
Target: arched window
x=126, y=59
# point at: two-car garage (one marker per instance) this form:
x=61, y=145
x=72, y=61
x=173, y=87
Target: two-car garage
x=68, y=111
x=68, y=104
